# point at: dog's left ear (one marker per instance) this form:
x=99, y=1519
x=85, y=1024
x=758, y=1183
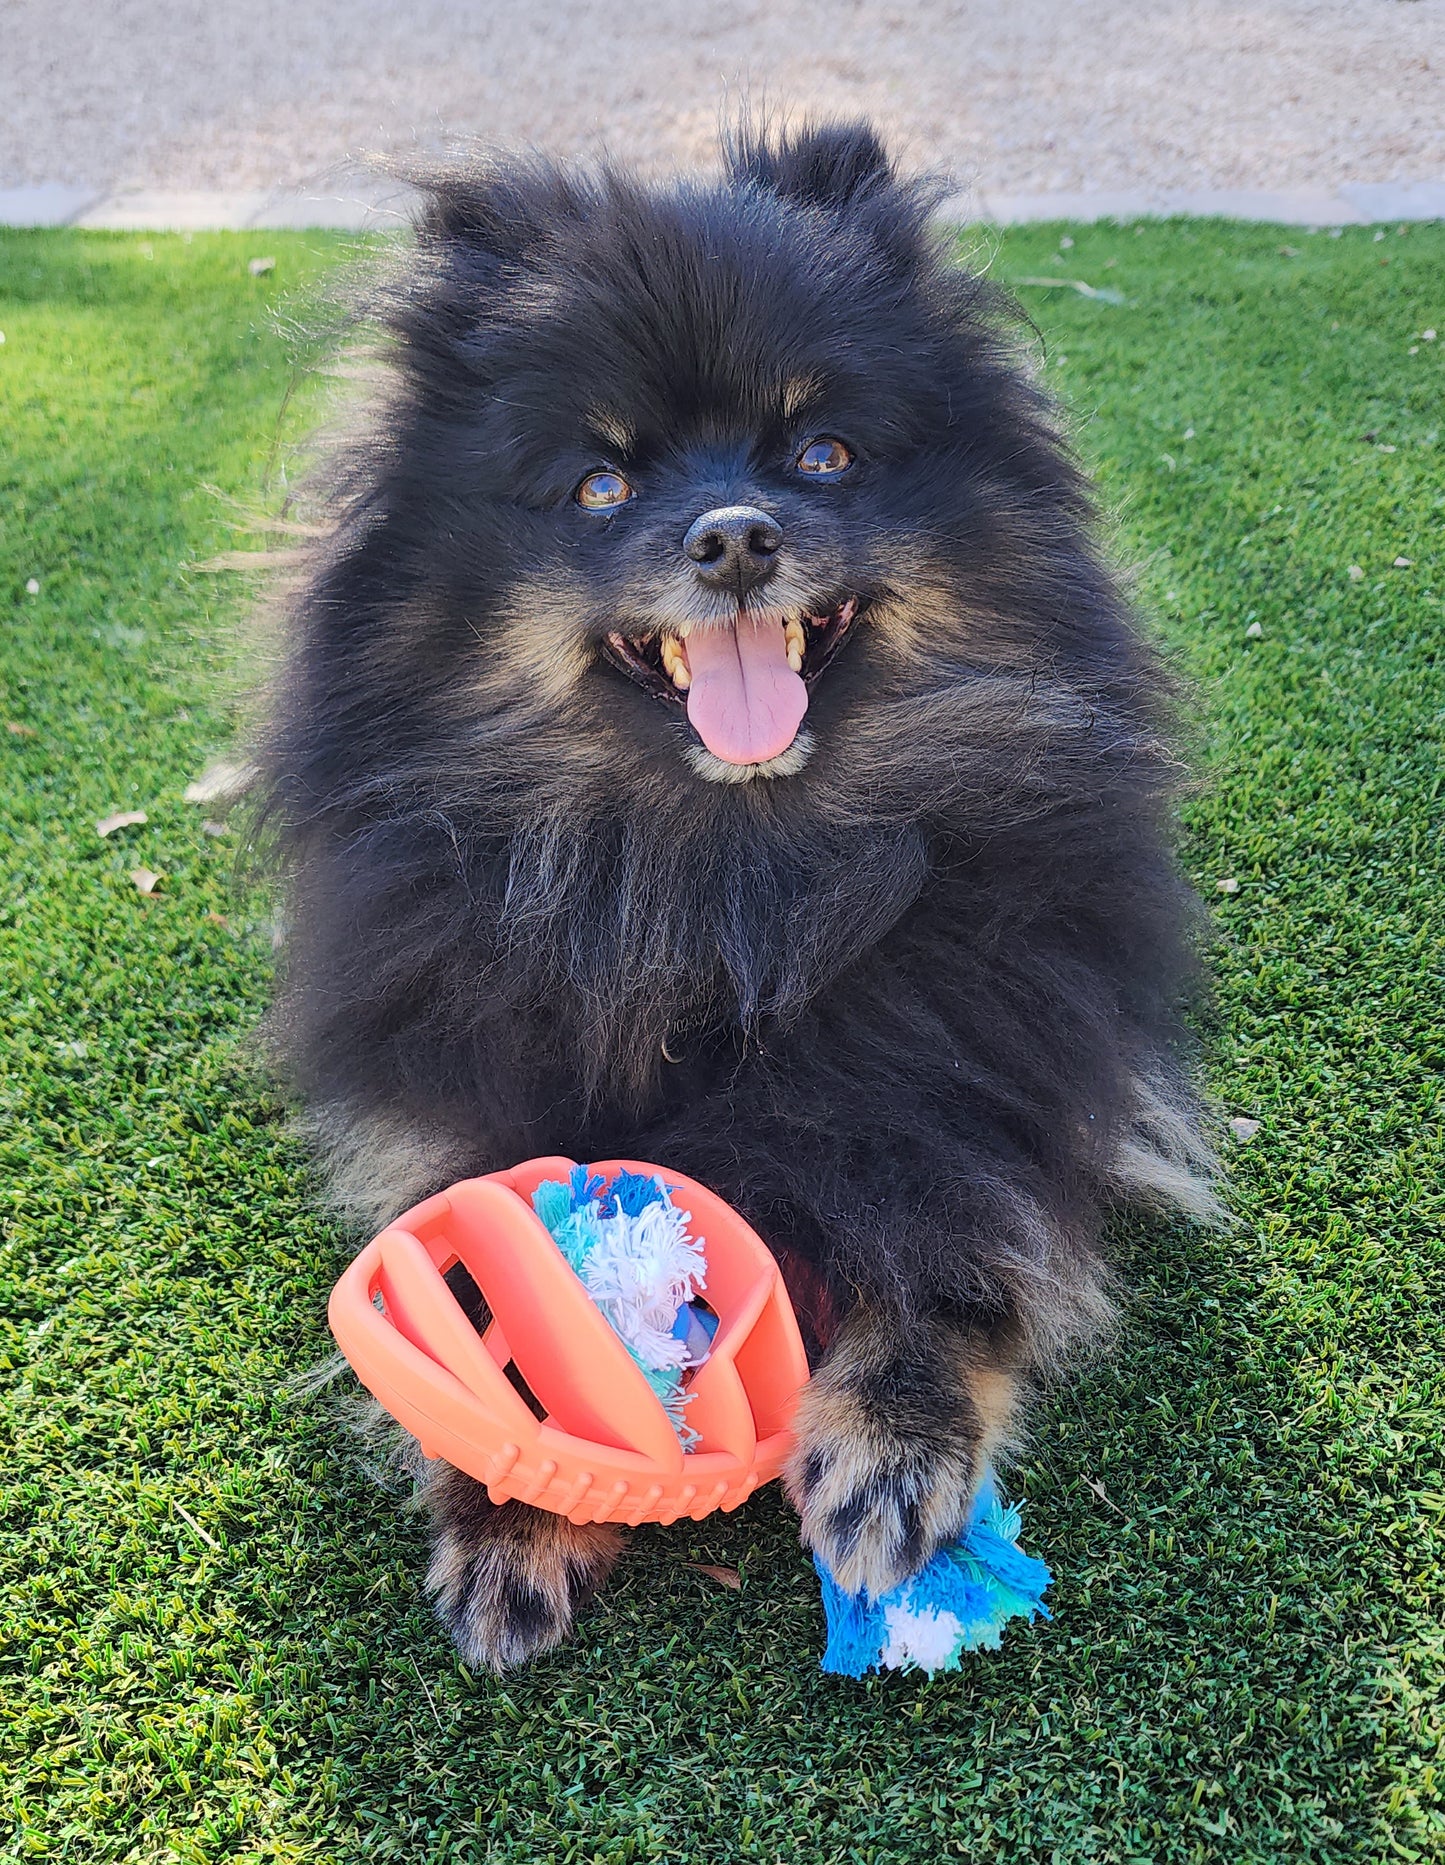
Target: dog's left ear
x=830, y=165
x=843, y=169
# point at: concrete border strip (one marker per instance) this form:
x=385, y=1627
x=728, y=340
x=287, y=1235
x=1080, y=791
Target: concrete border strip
x=363, y=205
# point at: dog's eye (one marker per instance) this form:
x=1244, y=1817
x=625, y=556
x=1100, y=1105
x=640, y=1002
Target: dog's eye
x=600, y=492
x=824, y=457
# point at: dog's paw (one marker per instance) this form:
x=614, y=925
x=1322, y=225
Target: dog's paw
x=876, y=1507
x=507, y=1580
x=891, y=1448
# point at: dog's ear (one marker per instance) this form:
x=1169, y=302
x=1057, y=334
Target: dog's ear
x=479, y=227
x=830, y=165
x=496, y=209
x=843, y=169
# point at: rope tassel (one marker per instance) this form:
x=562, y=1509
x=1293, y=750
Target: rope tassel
x=959, y=1602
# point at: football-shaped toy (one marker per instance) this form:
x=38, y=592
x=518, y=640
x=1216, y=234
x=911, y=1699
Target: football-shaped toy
x=638, y=1360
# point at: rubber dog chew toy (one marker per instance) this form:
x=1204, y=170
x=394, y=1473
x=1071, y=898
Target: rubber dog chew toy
x=640, y=1362
x=606, y=1449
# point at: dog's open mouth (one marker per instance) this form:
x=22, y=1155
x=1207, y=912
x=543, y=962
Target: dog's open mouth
x=744, y=683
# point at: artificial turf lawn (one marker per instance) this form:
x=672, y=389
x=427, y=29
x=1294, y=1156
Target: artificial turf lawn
x=214, y=1640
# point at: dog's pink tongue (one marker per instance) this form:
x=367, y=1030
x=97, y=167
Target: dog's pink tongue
x=745, y=702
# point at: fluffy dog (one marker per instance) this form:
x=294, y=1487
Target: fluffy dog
x=711, y=736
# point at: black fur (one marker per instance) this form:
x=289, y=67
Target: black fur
x=920, y=991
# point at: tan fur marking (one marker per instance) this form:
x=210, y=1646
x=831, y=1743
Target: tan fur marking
x=538, y=646
x=798, y=391
x=1165, y=1162
x=508, y=1589
x=877, y=1495
x=376, y=1165
x=995, y=1398
x=610, y=428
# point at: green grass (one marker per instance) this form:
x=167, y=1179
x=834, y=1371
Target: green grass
x=213, y=1640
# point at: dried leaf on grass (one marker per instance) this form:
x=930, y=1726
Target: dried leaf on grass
x=728, y=1577
x=1104, y=1497
x=122, y=819
x=146, y=880
x=17, y=730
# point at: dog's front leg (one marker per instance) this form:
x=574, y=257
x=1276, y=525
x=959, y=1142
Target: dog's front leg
x=508, y=1579
x=895, y=1432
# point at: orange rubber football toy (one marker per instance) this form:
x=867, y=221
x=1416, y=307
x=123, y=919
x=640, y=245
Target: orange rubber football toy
x=606, y=1450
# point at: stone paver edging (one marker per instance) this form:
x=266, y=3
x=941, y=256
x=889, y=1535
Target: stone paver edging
x=363, y=204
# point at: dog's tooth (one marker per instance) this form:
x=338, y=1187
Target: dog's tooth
x=674, y=662
x=796, y=643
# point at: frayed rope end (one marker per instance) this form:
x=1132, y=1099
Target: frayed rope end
x=959, y=1602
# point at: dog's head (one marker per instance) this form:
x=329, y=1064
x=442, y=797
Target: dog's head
x=712, y=578
x=706, y=482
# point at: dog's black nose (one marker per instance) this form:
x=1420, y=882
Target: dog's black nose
x=734, y=546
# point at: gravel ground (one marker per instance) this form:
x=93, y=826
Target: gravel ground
x=1038, y=95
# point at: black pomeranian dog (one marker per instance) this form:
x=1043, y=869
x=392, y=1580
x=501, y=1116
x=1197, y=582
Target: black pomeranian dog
x=711, y=736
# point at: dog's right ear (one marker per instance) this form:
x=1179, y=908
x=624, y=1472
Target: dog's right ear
x=494, y=210
x=479, y=225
